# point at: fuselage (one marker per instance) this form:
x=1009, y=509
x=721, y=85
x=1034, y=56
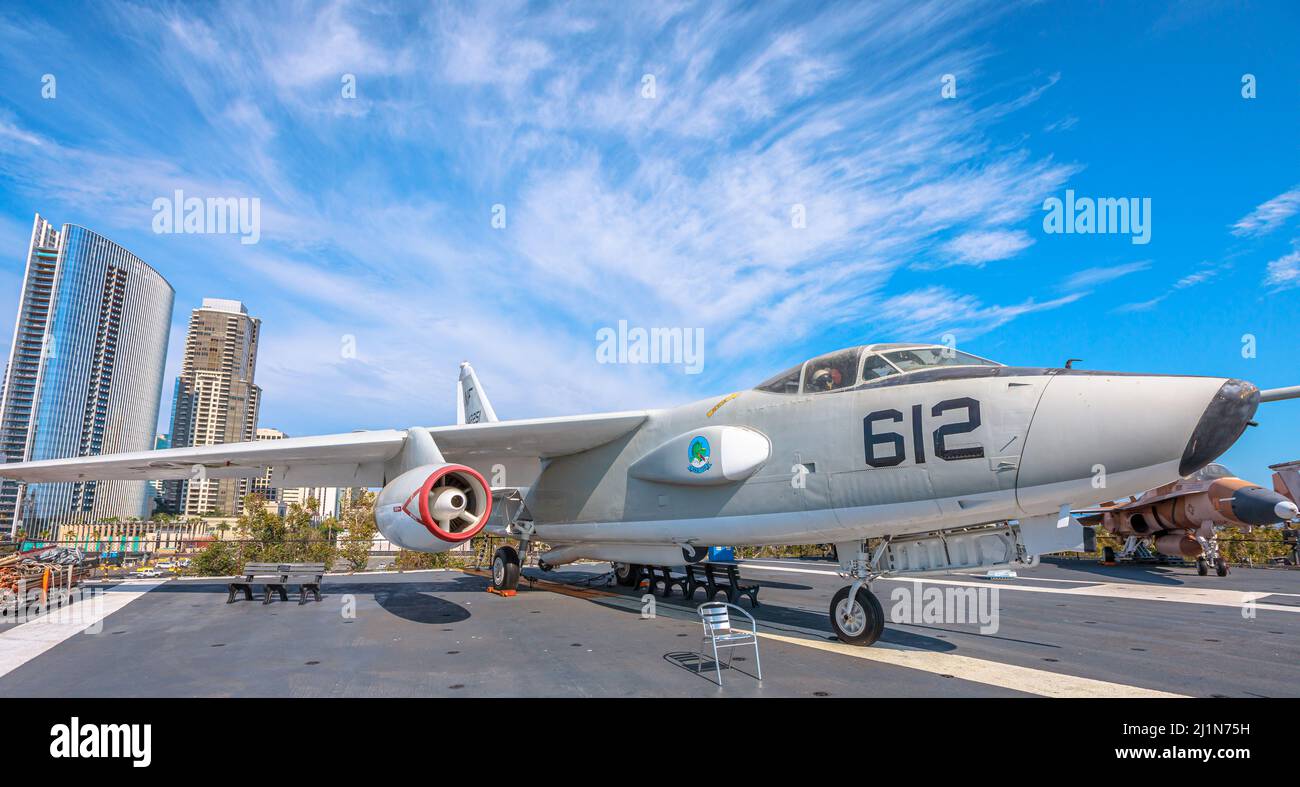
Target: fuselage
x=929, y=449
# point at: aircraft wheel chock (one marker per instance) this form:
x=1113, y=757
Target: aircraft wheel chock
x=859, y=622
x=505, y=568
x=627, y=574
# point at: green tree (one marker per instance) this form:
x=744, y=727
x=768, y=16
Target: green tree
x=305, y=540
x=409, y=560
x=358, y=520
x=218, y=559
x=262, y=534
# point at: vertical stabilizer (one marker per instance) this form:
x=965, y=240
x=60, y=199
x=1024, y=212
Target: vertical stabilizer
x=472, y=405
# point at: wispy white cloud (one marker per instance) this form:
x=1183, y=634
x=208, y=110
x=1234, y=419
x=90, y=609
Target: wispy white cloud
x=981, y=246
x=1270, y=215
x=1207, y=271
x=932, y=311
x=1284, y=272
x=1091, y=277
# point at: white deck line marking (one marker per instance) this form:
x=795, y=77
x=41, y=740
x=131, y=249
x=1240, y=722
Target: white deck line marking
x=1182, y=595
x=744, y=566
x=21, y=643
x=991, y=673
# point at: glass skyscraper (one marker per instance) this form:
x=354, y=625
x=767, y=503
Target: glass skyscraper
x=216, y=401
x=84, y=376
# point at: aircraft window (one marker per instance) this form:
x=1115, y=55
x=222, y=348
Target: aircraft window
x=832, y=372
x=786, y=382
x=1212, y=471
x=924, y=357
x=876, y=367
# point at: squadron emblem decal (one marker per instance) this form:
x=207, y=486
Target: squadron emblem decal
x=698, y=459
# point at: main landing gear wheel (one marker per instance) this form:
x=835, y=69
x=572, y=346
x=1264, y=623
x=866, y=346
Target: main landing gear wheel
x=859, y=622
x=626, y=574
x=1202, y=567
x=1108, y=555
x=505, y=569
x=1221, y=567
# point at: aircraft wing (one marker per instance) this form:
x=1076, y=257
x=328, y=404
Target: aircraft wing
x=352, y=459
x=1127, y=504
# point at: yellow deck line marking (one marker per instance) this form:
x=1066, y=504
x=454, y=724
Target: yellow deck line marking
x=991, y=673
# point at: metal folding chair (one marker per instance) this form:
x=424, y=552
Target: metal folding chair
x=719, y=633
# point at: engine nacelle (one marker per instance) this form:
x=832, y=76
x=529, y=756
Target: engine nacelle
x=434, y=507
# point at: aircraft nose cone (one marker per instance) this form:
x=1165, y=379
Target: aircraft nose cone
x=1223, y=421
x=1099, y=436
x=1255, y=505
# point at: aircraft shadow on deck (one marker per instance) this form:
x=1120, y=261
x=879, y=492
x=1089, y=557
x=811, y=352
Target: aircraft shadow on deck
x=773, y=617
x=1150, y=574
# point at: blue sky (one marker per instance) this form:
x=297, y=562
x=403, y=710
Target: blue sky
x=924, y=214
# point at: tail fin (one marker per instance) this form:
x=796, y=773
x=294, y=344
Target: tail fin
x=472, y=405
x=1286, y=480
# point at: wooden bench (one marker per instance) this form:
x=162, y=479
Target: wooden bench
x=307, y=576
x=275, y=576
x=712, y=583
x=267, y=573
x=667, y=578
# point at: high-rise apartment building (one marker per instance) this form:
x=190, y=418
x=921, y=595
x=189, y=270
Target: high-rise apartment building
x=216, y=400
x=322, y=501
x=84, y=375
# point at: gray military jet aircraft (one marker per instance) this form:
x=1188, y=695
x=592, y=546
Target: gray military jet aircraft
x=950, y=460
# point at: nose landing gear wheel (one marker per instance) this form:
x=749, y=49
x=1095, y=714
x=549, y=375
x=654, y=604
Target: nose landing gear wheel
x=1202, y=568
x=626, y=574
x=505, y=569
x=1221, y=567
x=859, y=621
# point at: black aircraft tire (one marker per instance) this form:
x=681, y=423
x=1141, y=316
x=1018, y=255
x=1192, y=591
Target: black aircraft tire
x=871, y=628
x=1202, y=567
x=627, y=575
x=505, y=569
x=1221, y=567
x=1108, y=555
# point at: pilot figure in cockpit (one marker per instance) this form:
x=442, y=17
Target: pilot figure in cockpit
x=826, y=378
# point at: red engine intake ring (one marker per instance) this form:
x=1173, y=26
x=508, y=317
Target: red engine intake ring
x=427, y=519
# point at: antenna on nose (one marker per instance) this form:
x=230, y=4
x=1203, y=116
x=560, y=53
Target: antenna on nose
x=1069, y=364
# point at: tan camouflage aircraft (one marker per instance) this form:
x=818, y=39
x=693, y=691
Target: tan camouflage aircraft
x=1181, y=518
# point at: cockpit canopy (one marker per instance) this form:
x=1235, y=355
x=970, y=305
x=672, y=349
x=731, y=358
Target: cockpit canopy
x=1210, y=472
x=844, y=369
